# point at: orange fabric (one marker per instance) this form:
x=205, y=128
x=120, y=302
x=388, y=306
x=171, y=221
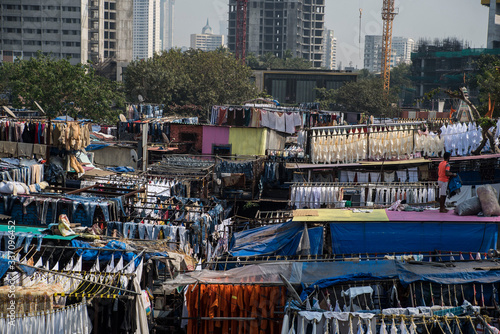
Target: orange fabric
x=214, y=307
x=236, y=306
x=264, y=303
x=443, y=167
x=244, y=312
x=273, y=302
x=191, y=309
x=491, y=107
x=241, y=307
x=204, y=307
x=226, y=306
x=245, y=301
x=254, y=304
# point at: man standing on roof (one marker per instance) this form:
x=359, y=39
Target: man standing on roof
x=444, y=175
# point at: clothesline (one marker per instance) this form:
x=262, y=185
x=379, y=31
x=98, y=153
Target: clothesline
x=364, y=185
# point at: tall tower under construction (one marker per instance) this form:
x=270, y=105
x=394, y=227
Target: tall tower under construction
x=275, y=26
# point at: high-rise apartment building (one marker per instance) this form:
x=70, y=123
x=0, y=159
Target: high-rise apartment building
x=493, y=41
x=223, y=28
x=146, y=28
x=330, y=48
x=401, y=52
x=207, y=40
x=96, y=30
x=275, y=26
x=167, y=24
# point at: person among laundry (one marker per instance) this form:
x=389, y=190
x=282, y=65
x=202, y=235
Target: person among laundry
x=444, y=175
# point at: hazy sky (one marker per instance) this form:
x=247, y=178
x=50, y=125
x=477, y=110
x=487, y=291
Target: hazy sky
x=464, y=19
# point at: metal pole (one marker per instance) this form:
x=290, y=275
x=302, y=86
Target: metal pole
x=145, y=128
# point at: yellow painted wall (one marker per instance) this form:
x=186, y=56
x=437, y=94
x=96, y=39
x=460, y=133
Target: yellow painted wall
x=248, y=141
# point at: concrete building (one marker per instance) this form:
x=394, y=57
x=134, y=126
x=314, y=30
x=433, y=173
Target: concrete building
x=146, y=28
x=206, y=41
x=299, y=86
x=223, y=29
x=167, y=24
x=401, y=52
x=330, y=47
x=96, y=30
x=441, y=67
x=493, y=23
x=276, y=26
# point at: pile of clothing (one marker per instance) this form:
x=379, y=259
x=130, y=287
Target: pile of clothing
x=71, y=135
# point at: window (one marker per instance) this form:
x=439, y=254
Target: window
x=223, y=150
x=11, y=42
x=32, y=43
x=12, y=30
x=26, y=7
x=12, y=7
x=65, y=20
x=32, y=19
x=32, y=31
x=188, y=137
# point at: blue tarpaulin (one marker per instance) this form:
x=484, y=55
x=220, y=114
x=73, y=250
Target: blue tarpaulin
x=91, y=255
x=362, y=238
x=5, y=265
x=316, y=239
x=95, y=147
x=325, y=274
x=280, y=239
x=121, y=169
x=459, y=273
x=462, y=272
x=327, y=282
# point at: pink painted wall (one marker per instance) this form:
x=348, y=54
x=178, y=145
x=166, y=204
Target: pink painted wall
x=214, y=135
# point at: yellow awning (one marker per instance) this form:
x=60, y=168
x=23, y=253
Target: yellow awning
x=343, y=215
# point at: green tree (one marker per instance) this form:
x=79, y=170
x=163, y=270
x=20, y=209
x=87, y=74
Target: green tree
x=194, y=77
x=400, y=77
x=401, y=86
x=61, y=88
x=365, y=74
x=363, y=96
x=488, y=82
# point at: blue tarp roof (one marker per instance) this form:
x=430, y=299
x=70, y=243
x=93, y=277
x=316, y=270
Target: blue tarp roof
x=463, y=272
x=324, y=274
x=367, y=237
x=280, y=239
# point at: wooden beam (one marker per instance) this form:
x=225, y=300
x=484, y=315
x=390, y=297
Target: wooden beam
x=77, y=191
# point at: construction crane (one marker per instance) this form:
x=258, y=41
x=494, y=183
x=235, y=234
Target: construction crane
x=241, y=29
x=388, y=14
